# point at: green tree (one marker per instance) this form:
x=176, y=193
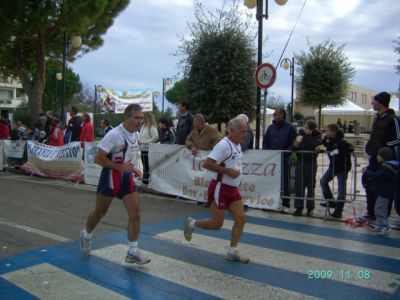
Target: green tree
x=52, y=91
x=219, y=64
x=178, y=92
x=324, y=75
x=32, y=32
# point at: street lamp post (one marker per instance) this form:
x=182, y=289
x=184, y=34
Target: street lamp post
x=289, y=64
x=76, y=42
x=165, y=82
x=259, y=17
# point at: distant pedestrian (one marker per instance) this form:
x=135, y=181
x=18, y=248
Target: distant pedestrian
x=344, y=127
x=148, y=134
x=73, y=131
x=56, y=137
x=185, y=123
x=105, y=125
x=167, y=132
x=339, y=123
x=87, y=130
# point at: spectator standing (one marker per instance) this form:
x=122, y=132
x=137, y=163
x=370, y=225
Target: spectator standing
x=384, y=184
x=73, y=131
x=384, y=133
x=306, y=167
x=350, y=128
x=56, y=137
x=339, y=123
x=87, y=130
x=339, y=151
x=202, y=136
x=167, y=132
x=40, y=123
x=280, y=135
x=248, y=142
x=4, y=130
x=148, y=134
x=47, y=124
x=185, y=123
x=344, y=127
x=105, y=125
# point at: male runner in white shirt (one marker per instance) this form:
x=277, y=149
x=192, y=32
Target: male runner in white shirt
x=223, y=192
x=117, y=153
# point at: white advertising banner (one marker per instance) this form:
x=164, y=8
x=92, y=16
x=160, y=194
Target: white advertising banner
x=56, y=162
x=175, y=171
x=14, y=149
x=1, y=155
x=92, y=170
x=115, y=101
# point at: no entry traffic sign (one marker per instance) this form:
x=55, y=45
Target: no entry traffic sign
x=265, y=76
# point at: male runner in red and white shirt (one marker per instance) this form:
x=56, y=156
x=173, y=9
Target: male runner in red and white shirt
x=223, y=192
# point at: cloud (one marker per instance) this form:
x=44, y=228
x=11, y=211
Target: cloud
x=138, y=48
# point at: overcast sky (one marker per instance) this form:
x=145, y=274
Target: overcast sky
x=138, y=48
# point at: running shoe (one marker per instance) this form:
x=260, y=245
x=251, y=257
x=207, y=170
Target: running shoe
x=285, y=210
x=136, y=258
x=235, y=256
x=86, y=244
x=187, y=232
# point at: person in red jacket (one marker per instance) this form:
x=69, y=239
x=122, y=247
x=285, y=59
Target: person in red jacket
x=56, y=135
x=4, y=130
x=87, y=130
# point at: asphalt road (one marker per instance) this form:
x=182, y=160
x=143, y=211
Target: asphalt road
x=37, y=212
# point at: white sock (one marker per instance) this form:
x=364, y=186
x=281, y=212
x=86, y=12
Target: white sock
x=87, y=235
x=133, y=247
x=231, y=250
x=192, y=224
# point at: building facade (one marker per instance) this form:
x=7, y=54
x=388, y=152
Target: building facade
x=11, y=95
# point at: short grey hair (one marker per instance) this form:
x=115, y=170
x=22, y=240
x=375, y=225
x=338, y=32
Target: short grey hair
x=243, y=116
x=200, y=117
x=234, y=123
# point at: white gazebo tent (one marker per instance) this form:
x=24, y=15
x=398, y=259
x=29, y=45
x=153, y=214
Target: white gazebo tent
x=348, y=111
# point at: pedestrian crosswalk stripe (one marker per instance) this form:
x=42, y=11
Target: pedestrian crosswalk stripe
x=200, y=278
x=318, y=240
x=46, y=281
x=392, y=241
x=288, y=261
x=313, y=221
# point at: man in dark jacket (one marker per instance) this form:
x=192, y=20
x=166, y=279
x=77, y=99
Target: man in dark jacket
x=339, y=151
x=74, y=125
x=185, y=123
x=384, y=133
x=280, y=135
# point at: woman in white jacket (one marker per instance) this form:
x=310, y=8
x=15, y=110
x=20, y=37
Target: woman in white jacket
x=148, y=134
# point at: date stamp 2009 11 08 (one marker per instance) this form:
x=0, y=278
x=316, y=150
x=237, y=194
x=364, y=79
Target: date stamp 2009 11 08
x=339, y=274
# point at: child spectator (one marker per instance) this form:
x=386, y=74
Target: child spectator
x=384, y=184
x=87, y=130
x=339, y=167
x=306, y=167
x=56, y=137
x=167, y=132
